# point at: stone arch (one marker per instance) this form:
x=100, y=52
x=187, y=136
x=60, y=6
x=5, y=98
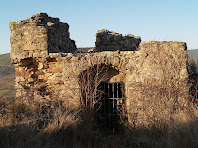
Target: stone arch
x=97, y=86
x=76, y=64
x=90, y=79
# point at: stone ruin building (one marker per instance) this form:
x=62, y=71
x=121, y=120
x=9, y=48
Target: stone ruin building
x=48, y=65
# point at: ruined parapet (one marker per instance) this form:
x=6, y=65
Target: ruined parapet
x=112, y=41
x=39, y=35
x=170, y=55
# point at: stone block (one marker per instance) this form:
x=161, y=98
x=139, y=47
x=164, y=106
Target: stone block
x=22, y=74
x=55, y=70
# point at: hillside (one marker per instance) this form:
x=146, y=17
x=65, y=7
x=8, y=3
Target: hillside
x=83, y=49
x=193, y=53
x=7, y=76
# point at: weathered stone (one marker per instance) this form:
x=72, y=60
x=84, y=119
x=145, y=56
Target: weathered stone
x=111, y=41
x=22, y=74
x=39, y=32
x=156, y=66
x=55, y=70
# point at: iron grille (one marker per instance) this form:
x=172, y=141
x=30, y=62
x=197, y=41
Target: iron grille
x=111, y=104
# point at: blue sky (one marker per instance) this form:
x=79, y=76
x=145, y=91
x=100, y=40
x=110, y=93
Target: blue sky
x=171, y=20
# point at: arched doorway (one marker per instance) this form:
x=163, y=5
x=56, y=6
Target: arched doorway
x=101, y=94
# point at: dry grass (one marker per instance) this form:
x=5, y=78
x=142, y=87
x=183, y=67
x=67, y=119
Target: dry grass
x=28, y=124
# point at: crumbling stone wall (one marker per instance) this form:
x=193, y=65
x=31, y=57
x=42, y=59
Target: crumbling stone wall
x=112, y=41
x=39, y=35
x=47, y=66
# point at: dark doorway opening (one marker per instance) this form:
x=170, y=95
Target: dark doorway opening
x=110, y=106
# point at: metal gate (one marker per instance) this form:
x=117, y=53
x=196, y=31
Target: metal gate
x=111, y=105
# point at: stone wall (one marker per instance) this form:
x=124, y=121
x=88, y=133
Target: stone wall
x=112, y=41
x=39, y=35
x=44, y=72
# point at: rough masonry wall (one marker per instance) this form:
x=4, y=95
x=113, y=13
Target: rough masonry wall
x=48, y=76
x=157, y=83
x=39, y=35
x=112, y=41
